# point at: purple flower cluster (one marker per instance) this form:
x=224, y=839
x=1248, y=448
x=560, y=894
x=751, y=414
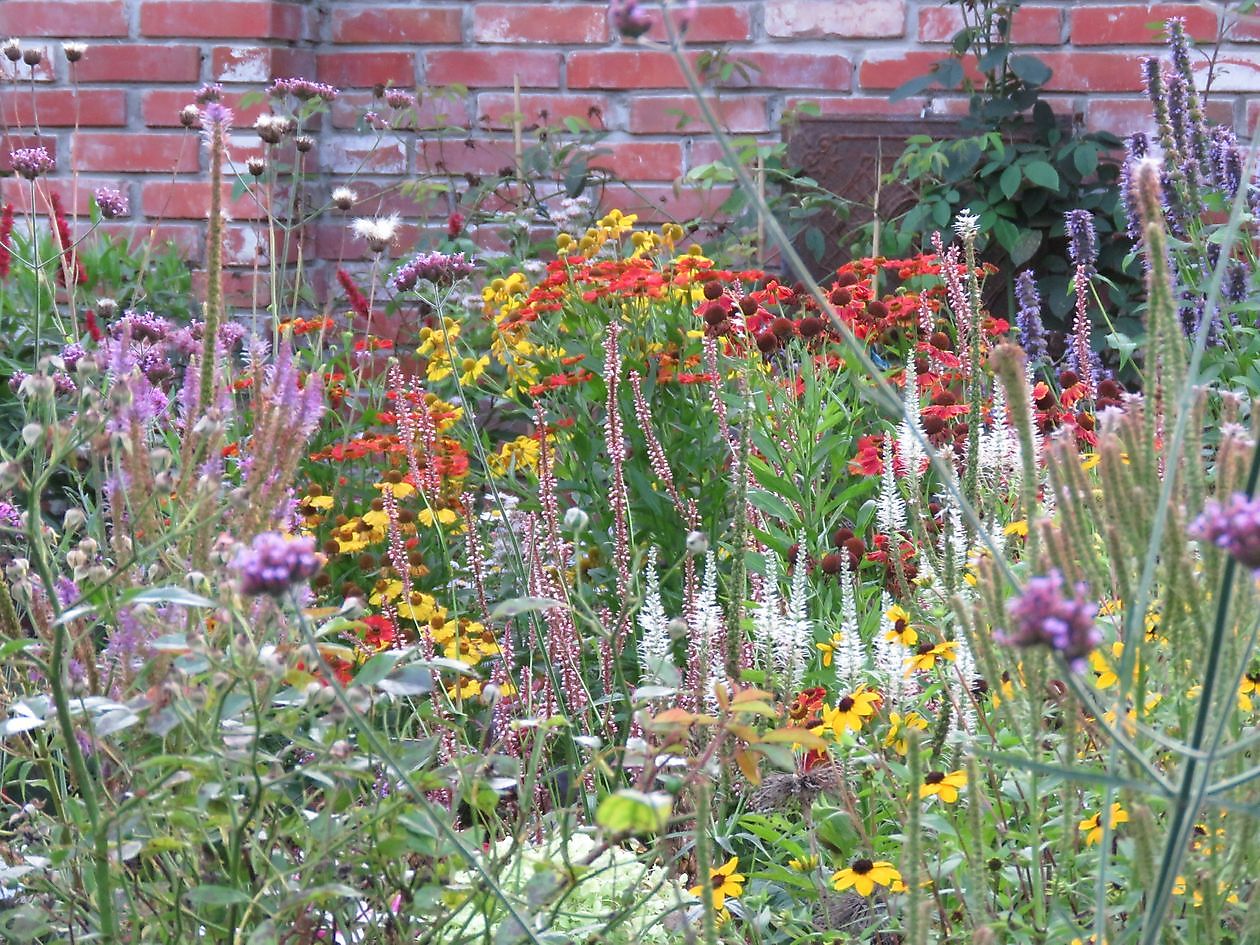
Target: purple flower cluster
x=441, y=269
x=274, y=562
x=303, y=89
x=10, y=517
x=1233, y=526
x=1032, y=330
x=32, y=162
x=1045, y=615
x=399, y=98
x=113, y=203
x=629, y=18
x=1082, y=238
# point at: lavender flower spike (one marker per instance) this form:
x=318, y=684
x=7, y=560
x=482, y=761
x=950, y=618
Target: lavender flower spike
x=1045, y=616
x=1233, y=526
x=274, y=562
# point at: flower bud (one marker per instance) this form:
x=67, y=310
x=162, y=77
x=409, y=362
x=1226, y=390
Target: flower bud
x=32, y=56
x=697, y=543
x=32, y=433
x=576, y=520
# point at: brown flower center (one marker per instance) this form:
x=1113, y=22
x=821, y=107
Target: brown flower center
x=934, y=777
x=862, y=867
x=845, y=704
x=924, y=649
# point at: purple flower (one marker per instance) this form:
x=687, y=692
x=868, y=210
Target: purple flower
x=303, y=89
x=1234, y=527
x=10, y=517
x=32, y=162
x=1136, y=147
x=210, y=92
x=214, y=115
x=72, y=354
x=113, y=203
x=629, y=19
x=1045, y=615
x=1082, y=238
x=400, y=98
x=1032, y=331
x=274, y=562
x=442, y=269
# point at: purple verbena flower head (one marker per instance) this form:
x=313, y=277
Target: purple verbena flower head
x=273, y=563
x=629, y=18
x=399, y=98
x=10, y=516
x=113, y=203
x=210, y=92
x=1044, y=614
x=441, y=269
x=1233, y=526
x=303, y=89
x=1082, y=238
x=32, y=162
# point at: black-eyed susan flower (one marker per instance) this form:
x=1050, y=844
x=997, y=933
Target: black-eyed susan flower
x=1248, y=692
x=942, y=785
x=1093, y=826
x=926, y=655
x=724, y=884
x=828, y=649
x=849, y=713
x=864, y=875
x=898, y=726
x=901, y=631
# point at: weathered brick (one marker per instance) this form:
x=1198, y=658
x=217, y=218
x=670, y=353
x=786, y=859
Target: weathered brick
x=551, y=23
x=395, y=25
x=679, y=114
x=495, y=109
x=160, y=108
x=891, y=69
x=266, y=19
x=493, y=68
x=344, y=155
x=1230, y=74
x=136, y=151
x=16, y=191
x=835, y=19
x=362, y=70
x=60, y=108
x=1121, y=25
x=711, y=23
x=1032, y=25
x=1093, y=72
x=245, y=63
x=793, y=70
x=623, y=69
x=140, y=62
x=641, y=160
x=435, y=111
x=190, y=200
x=656, y=203
x=69, y=19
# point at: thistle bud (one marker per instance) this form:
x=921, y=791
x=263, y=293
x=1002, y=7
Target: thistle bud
x=256, y=166
x=13, y=50
x=32, y=56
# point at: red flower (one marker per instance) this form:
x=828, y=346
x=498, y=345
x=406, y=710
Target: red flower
x=6, y=230
x=358, y=302
x=65, y=243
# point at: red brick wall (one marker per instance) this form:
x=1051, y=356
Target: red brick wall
x=147, y=56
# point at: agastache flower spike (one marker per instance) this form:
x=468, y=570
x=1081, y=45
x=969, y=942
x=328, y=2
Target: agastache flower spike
x=1032, y=330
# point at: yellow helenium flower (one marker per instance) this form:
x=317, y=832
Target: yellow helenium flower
x=519, y=455
x=443, y=516
x=472, y=368
x=849, y=713
x=944, y=786
x=1093, y=826
x=863, y=876
x=436, y=339
x=439, y=367
x=724, y=884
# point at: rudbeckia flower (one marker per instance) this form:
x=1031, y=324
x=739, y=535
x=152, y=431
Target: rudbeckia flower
x=1094, y=825
x=724, y=884
x=849, y=713
x=927, y=654
x=944, y=786
x=864, y=875
x=901, y=631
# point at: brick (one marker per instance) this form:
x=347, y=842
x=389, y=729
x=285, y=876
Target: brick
x=160, y=108
x=709, y=150
x=1093, y=72
x=618, y=69
x=834, y=19
x=45, y=70
x=435, y=111
x=76, y=19
x=551, y=23
x=792, y=70
x=1032, y=26
x=185, y=238
x=889, y=70
x=363, y=155
x=140, y=62
x=61, y=108
x=488, y=68
x=190, y=200
x=495, y=109
x=264, y=19
x=1131, y=25
x=258, y=64
x=136, y=151
x=1230, y=74
x=464, y=155
x=712, y=23
x=16, y=191
x=362, y=70
x=679, y=114
x=395, y=25
x=641, y=160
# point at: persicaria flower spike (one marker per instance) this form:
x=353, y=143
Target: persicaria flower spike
x=32, y=162
x=1233, y=526
x=274, y=562
x=1046, y=615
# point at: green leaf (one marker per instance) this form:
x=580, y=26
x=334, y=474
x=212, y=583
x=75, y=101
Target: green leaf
x=1086, y=159
x=168, y=595
x=524, y=605
x=1030, y=70
x=1025, y=247
x=211, y=895
x=771, y=504
x=633, y=812
x=376, y=669
x=1010, y=180
x=1042, y=174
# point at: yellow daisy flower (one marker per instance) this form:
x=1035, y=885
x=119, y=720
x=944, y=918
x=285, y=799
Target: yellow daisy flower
x=944, y=786
x=1093, y=826
x=849, y=713
x=724, y=884
x=927, y=654
x=864, y=875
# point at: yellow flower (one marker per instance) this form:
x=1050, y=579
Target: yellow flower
x=896, y=737
x=849, y=713
x=436, y=339
x=1104, y=673
x=443, y=517
x=804, y=864
x=472, y=368
x=863, y=876
x=829, y=648
x=927, y=654
x=321, y=502
x=518, y=455
x=400, y=490
x=1019, y=528
x=439, y=367
x=1094, y=825
x=944, y=786
x=1250, y=686
x=901, y=630
x=724, y=883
